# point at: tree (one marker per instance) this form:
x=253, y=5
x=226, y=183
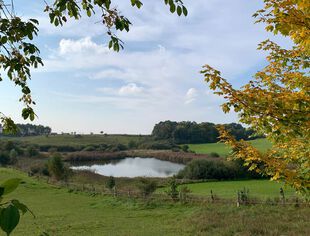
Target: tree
x=173, y=191
x=110, y=183
x=18, y=54
x=147, y=186
x=276, y=101
x=57, y=168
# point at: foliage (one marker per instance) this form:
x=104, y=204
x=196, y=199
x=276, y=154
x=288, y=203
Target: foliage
x=192, y=132
x=57, y=168
x=173, y=191
x=147, y=186
x=276, y=101
x=110, y=183
x=219, y=170
x=214, y=154
x=30, y=130
x=31, y=151
x=10, y=210
x=129, y=215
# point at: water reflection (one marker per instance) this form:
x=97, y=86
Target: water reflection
x=134, y=167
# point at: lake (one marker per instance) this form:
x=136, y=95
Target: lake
x=134, y=167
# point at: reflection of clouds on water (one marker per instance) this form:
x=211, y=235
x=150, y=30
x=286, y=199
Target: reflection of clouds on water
x=134, y=167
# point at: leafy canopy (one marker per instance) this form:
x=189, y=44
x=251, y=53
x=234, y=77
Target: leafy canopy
x=276, y=101
x=18, y=54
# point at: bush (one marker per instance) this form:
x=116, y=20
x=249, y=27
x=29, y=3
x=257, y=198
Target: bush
x=89, y=148
x=220, y=170
x=4, y=158
x=13, y=156
x=110, y=183
x=39, y=169
x=185, y=148
x=173, y=191
x=147, y=186
x=132, y=144
x=57, y=168
x=31, y=151
x=214, y=154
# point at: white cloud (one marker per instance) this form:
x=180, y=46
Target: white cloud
x=191, y=95
x=84, y=45
x=158, y=72
x=130, y=89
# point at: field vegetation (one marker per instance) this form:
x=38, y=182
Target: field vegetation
x=57, y=214
x=223, y=150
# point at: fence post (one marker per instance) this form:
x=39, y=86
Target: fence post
x=212, y=196
x=238, y=198
x=282, y=196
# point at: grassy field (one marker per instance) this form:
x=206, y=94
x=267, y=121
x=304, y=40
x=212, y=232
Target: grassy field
x=59, y=212
x=79, y=140
x=223, y=150
x=261, y=189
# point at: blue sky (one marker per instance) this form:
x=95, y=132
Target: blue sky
x=84, y=87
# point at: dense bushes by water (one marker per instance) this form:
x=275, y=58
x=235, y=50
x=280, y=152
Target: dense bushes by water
x=220, y=170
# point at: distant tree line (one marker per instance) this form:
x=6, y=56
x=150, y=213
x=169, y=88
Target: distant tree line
x=192, y=132
x=29, y=130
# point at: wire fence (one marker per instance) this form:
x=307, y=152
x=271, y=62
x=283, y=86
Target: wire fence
x=242, y=197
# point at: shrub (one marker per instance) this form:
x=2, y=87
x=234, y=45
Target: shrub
x=4, y=158
x=220, y=170
x=57, y=168
x=184, y=193
x=31, y=151
x=185, y=148
x=173, y=191
x=13, y=156
x=39, y=169
x=89, y=148
x=214, y=154
x=110, y=183
x=146, y=186
x=132, y=144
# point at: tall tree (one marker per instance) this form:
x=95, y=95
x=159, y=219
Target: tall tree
x=18, y=54
x=276, y=101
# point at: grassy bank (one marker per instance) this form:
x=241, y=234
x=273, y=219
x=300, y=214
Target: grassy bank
x=261, y=189
x=59, y=212
x=223, y=150
x=79, y=140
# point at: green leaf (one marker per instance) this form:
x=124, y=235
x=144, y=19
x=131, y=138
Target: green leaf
x=88, y=13
x=172, y=8
x=1, y=191
x=9, y=219
x=22, y=207
x=184, y=11
x=10, y=185
x=179, y=11
x=32, y=116
x=4, y=40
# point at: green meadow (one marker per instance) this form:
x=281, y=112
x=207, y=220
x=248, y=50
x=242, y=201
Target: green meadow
x=77, y=140
x=261, y=189
x=62, y=212
x=223, y=150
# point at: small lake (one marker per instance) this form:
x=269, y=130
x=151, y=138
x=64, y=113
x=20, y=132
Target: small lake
x=134, y=167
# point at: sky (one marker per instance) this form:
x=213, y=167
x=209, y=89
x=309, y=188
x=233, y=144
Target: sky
x=85, y=87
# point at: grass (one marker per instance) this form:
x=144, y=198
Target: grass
x=261, y=189
x=223, y=150
x=59, y=212
x=71, y=140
